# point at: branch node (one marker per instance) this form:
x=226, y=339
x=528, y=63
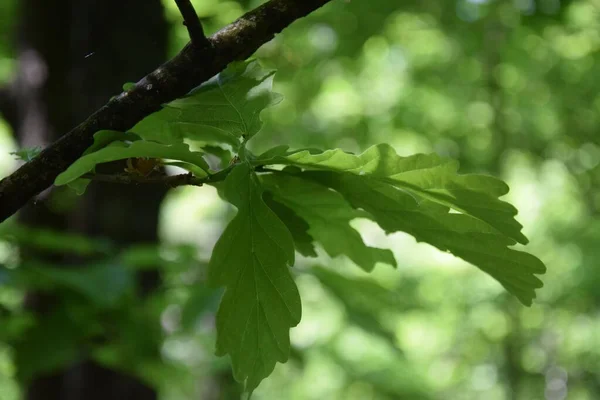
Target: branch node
x=171, y=80
x=192, y=23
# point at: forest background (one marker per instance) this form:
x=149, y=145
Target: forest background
x=508, y=88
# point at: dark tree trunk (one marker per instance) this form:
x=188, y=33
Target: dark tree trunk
x=73, y=56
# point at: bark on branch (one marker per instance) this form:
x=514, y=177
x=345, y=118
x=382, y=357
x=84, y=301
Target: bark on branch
x=192, y=66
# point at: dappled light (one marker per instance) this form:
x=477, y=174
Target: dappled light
x=447, y=244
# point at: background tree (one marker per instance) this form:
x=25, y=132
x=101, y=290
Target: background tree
x=71, y=57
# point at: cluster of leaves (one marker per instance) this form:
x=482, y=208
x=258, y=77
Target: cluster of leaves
x=85, y=299
x=27, y=153
x=291, y=200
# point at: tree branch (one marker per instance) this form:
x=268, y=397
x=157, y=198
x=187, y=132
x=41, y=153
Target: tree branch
x=192, y=66
x=192, y=23
x=169, y=180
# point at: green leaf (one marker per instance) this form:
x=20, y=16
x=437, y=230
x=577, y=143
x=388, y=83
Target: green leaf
x=161, y=126
x=79, y=186
x=462, y=235
x=225, y=109
x=101, y=140
x=173, y=258
x=104, y=138
x=284, y=150
x=277, y=151
x=390, y=378
x=329, y=216
x=128, y=85
x=27, y=153
x=201, y=301
x=54, y=342
x=366, y=302
x=298, y=227
x=424, y=177
x=121, y=150
x=261, y=302
x=54, y=241
x=103, y=284
x=363, y=294
x=194, y=169
x=223, y=156
x=135, y=340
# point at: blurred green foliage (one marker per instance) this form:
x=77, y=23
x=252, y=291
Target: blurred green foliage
x=506, y=87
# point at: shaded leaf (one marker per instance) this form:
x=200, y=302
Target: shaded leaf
x=328, y=215
x=422, y=176
x=225, y=109
x=261, y=302
x=52, y=343
x=222, y=156
x=277, y=151
x=391, y=378
x=298, y=227
x=194, y=169
x=364, y=300
x=135, y=340
x=201, y=301
x=121, y=150
x=462, y=235
x=362, y=293
x=105, y=137
x=128, y=85
x=54, y=240
x=160, y=126
x=102, y=284
x=79, y=185
x=27, y=153
x=284, y=150
x=149, y=256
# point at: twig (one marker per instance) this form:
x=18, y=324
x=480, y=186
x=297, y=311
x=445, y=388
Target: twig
x=192, y=23
x=168, y=180
x=192, y=66
x=132, y=179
